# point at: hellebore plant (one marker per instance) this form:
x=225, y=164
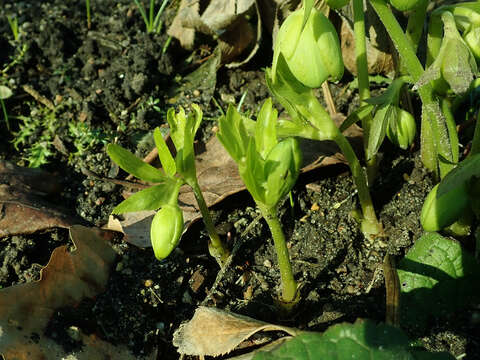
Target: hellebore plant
x=167, y=224
x=269, y=168
x=306, y=53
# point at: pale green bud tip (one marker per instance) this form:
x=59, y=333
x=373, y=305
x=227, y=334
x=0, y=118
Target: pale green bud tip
x=166, y=230
x=312, y=55
x=401, y=130
x=440, y=212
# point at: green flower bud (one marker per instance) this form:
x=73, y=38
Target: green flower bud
x=337, y=4
x=282, y=167
x=472, y=38
x=440, y=212
x=312, y=55
x=401, y=129
x=166, y=230
x=406, y=5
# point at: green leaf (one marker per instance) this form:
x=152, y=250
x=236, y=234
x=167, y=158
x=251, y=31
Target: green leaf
x=177, y=123
x=253, y=173
x=390, y=96
x=379, y=128
x=233, y=135
x=265, y=132
x=133, y=165
x=356, y=116
x=460, y=175
x=166, y=158
x=363, y=340
x=151, y=198
x=436, y=277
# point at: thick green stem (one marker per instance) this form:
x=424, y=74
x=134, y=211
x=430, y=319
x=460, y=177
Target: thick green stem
x=370, y=224
x=415, y=24
x=362, y=75
x=89, y=19
x=414, y=67
x=289, y=285
x=215, y=246
x=476, y=137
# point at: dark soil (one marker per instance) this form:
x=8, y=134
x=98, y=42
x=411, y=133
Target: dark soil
x=112, y=82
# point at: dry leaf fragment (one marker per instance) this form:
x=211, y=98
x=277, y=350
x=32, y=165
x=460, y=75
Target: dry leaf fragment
x=67, y=278
x=200, y=335
x=24, y=204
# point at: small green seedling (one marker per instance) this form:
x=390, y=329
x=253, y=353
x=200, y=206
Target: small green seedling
x=152, y=21
x=167, y=224
x=269, y=168
x=5, y=93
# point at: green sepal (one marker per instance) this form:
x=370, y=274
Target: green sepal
x=151, y=198
x=166, y=158
x=133, y=165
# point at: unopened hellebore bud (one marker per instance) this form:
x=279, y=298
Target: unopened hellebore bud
x=407, y=5
x=401, y=129
x=312, y=55
x=166, y=230
x=440, y=212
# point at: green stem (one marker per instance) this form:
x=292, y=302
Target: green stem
x=414, y=67
x=288, y=283
x=5, y=114
x=89, y=19
x=415, y=23
x=362, y=75
x=215, y=246
x=361, y=49
x=476, y=137
x=370, y=223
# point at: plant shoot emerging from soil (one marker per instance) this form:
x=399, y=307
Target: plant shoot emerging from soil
x=167, y=225
x=269, y=168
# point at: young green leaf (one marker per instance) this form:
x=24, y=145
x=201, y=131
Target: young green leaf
x=356, y=116
x=265, y=132
x=363, y=340
x=436, y=276
x=133, y=165
x=151, y=198
x=166, y=158
x=177, y=123
x=461, y=175
x=378, y=128
x=233, y=135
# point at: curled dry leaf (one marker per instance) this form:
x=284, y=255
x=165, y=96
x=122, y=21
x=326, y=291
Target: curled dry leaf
x=24, y=204
x=225, y=20
x=200, y=336
x=67, y=278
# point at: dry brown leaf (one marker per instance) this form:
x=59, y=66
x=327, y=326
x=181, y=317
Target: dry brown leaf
x=225, y=20
x=379, y=49
x=67, y=278
x=200, y=336
x=24, y=204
